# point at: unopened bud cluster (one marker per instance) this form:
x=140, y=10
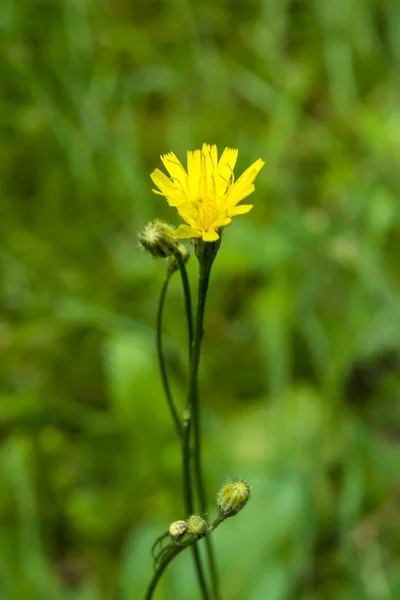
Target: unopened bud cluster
x=195, y=525
x=232, y=497
x=158, y=239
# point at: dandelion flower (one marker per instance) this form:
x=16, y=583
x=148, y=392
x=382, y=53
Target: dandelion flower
x=206, y=195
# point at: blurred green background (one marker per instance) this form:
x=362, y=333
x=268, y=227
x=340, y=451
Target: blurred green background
x=301, y=367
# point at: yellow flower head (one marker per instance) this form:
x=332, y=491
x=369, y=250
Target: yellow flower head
x=207, y=195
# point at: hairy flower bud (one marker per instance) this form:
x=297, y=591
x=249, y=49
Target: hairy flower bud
x=172, y=262
x=196, y=525
x=158, y=239
x=177, y=529
x=232, y=497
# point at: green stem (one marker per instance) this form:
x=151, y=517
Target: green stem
x=173, y=551
x=188, y=300
x=160, y=570
x=205, y=270
x=187, y=483
x=188, y=497
x=161, y=359
x=186, y=432
x=167, y=390
x=189, y=318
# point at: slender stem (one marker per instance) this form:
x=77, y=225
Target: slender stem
x=186, y=471
x=187, y=484
x=188, y=497
x=161, y=359
x=188, y=300
x=200, y=572
x=205, y=270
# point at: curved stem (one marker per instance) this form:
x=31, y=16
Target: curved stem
x=160, y=570
x=161, y=359
x=189, y=318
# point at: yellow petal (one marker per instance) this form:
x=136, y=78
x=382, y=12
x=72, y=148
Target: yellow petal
x=238, y=193
x=184, y=231
x=176, y=170
x=225, y=168
x=211, y=151
x=173, y=165
x=173, y=194
x=249, y=175
x=243, y=187
x=222, y=221
x=214, y=156
x=187, y=211
x=210, y=236
x=209, y=165
x=242, y=209
x=194, y=171
x=172, y=200
x=162, y=182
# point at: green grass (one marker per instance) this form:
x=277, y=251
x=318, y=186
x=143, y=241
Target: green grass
x=300, y=373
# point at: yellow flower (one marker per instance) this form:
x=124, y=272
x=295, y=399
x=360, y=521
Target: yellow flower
x=207, y=195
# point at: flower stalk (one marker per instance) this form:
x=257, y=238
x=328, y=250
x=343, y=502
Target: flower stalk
x=207, y=197
x=176, y=260
x=206, y=253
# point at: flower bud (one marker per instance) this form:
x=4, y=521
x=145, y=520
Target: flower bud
x=232, y=497
x=177, y=529
x=158, y=239
x=172, y=263
x=196, y=525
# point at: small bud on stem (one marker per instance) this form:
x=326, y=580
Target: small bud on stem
x=232, y=497
x=158, y=239
x=196, y=525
